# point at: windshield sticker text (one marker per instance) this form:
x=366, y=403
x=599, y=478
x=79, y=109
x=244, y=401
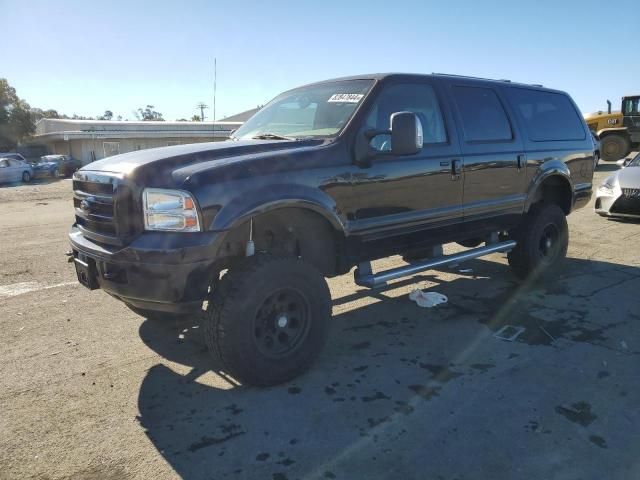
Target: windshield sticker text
x=345, y=98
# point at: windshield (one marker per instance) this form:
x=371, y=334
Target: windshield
x=635, y=162
x=316, y=111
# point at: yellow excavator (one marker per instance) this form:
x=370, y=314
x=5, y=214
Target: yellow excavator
x=619, y=132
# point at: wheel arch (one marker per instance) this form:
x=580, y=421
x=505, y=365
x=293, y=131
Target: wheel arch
x=300, y=228
x=554, y=185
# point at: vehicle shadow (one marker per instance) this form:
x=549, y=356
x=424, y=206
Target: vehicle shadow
x=607, y=167
x=386, y=365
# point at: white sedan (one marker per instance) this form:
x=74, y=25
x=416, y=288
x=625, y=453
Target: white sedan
x=12, y=170
x=619, y=194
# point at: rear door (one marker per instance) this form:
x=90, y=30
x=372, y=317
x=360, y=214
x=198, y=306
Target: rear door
x=494, y=156
x=15, y=170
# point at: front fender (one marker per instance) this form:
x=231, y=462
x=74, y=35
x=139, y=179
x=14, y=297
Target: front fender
x=606, y=131
x=242, y=207
x=546, y=170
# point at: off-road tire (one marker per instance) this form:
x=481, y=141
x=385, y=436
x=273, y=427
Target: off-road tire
x=533, y=255
x=614, y=147
x=237, y=319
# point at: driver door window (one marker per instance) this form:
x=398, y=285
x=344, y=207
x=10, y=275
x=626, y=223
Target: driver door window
x=415, y=98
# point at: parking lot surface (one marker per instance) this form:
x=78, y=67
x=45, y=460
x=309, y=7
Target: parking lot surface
x=92, y=391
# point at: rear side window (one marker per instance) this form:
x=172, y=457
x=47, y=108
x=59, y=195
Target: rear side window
x=548, y=116
x=483, y=116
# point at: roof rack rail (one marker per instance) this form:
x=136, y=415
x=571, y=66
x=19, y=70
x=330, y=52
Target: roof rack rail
x=505, y=80
x=468, y=76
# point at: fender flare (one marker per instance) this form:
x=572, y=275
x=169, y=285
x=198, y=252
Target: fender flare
x=551, y=168
x=606, y=131
x=243, y=207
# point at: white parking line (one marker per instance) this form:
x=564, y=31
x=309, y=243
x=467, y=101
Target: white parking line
x=25, y=287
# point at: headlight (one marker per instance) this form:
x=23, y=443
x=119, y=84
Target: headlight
x=169, y=211
x=608, y=186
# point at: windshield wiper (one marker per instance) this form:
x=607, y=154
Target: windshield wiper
x=271, y=136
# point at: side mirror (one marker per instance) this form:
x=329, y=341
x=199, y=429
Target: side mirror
x=404, y=138
x=406, y=133
x=623, y=162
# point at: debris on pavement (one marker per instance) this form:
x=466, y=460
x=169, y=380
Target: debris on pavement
x=547, y=333
x=427, y=299
x=509, y=333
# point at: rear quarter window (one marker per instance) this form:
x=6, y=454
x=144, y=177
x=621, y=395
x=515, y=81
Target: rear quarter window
x=482, y=115
x=547, y=116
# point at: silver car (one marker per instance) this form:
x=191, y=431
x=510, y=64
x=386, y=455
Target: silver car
x=12, y=170
x=619, y=194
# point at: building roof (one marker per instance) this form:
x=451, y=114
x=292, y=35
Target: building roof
x=242, y=116
x=65, y=129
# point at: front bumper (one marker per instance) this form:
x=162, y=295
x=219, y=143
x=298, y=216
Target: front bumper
x=169, y=272
x=617, y=205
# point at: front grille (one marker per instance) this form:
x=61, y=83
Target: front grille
x=631, y=192
x=94, y=199
x=628, y=203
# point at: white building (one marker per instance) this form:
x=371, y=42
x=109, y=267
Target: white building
x=90, y=140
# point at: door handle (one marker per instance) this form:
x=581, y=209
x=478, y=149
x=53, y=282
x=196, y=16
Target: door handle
x=456, y=169
x=520, y=161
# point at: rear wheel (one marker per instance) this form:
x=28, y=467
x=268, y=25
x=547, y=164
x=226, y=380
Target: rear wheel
x=542, y=241
x=26, y=177
x=55, y=173
x=614, y=147
x=268, y=319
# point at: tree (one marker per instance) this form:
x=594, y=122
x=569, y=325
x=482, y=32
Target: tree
x=15, y=117
x=195, y=118
x=148, y=114
x=38, y=113
x=108, y=115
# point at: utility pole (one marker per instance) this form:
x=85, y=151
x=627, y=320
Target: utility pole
x=201, y=106
x=215, y=77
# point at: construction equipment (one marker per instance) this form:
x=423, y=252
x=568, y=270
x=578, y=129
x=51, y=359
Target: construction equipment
x=619, y=132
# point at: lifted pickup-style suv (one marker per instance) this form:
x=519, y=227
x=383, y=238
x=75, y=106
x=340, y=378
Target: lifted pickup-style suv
x=324, y=178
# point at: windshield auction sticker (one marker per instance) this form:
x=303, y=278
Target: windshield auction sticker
x=345, y=98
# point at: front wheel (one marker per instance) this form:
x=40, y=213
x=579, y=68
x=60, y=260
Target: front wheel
x=542, y=241
x=26, y=177
x=55, y=173
x=268, y=319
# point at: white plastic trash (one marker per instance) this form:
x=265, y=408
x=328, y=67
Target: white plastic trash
x=427, y=299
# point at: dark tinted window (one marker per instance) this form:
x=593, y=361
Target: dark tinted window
x=548, y=116
x=417, y=98
x=482, y=114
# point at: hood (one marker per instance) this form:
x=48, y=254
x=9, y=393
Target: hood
x=136, y=163
x=601, y=116
x=629, y=177
x=45, y=165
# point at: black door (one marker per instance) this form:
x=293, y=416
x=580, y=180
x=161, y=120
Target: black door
x=631, y=119
x=494, y=158
x=400, y=195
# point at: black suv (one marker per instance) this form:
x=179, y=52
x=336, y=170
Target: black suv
x=324, y=178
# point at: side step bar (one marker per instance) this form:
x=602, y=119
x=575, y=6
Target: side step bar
x=364, y=277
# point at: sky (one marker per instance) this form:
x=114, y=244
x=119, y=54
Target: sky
x=85, y=57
